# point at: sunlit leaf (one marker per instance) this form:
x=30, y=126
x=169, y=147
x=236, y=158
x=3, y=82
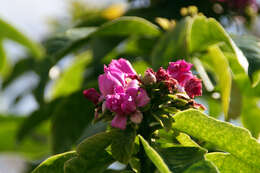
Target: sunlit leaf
x=202, y=167
x=55, y=163
x=72, y=78
x=154, y=157
x=227, y=163
x=225, y=136
x=215, y=57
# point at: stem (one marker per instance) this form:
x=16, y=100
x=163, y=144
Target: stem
x=145, y=163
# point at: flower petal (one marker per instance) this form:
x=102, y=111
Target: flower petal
x=119, y=121
x=142, y=99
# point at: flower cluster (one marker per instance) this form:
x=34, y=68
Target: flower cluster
x=124, y=93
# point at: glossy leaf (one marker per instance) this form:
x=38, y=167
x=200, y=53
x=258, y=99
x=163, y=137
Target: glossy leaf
x=125, y=26
x=92, y=154
x=154, y=156
x=249, y=45
x=80, y=165
x=122, y=146
x=202, y=167
x=224, y=136
x=187, y=40
x=55, y=163
x=179, y=158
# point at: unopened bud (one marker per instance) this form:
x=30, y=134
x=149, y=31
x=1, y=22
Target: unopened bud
x=149, y=77
x=137, y=117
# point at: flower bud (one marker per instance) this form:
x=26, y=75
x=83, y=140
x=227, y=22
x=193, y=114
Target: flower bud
x=162, y=74
x=136, y=117
x=149, y=77
x=92, y=95
x=193, y=87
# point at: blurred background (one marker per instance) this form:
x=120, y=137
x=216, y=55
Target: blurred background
x=34, y=87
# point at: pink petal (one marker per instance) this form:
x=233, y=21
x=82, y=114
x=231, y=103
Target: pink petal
x=142, y=98
x=123, y=65
x=119, y=121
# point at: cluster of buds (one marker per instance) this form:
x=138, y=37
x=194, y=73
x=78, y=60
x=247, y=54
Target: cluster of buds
x=125, y=95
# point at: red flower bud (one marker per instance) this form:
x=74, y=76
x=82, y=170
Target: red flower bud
x=92, y=95
x=162, y=75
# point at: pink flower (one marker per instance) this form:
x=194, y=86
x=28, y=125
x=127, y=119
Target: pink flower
x=124, y=66
x=92, y=95
x=142, y=98
x=126, y=103
x=193, y=87
x=110, y=80
x=179, y=66
x=180, y=70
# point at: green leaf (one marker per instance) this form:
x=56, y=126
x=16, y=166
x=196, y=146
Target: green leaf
x=35, y=119
x=179, y=158
x=94, y=144
x=72, y=78
x=92, y=154
x=75, y=113
x=215, y=108
x=22, y=66
x=33, y=147
x=187, y=40
x=171, y=45
x=202, y=167
x=125, y=26
x=236, y=102
x=235, y=140
x=154, y=157
x=122, y=146
x=227, y=163
x=95, y=165
x=213, y=34
x=9, y=32
x=2, y=54
x=55, y=163
x=250, y=115
x=249, y=45
x=215, y=58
